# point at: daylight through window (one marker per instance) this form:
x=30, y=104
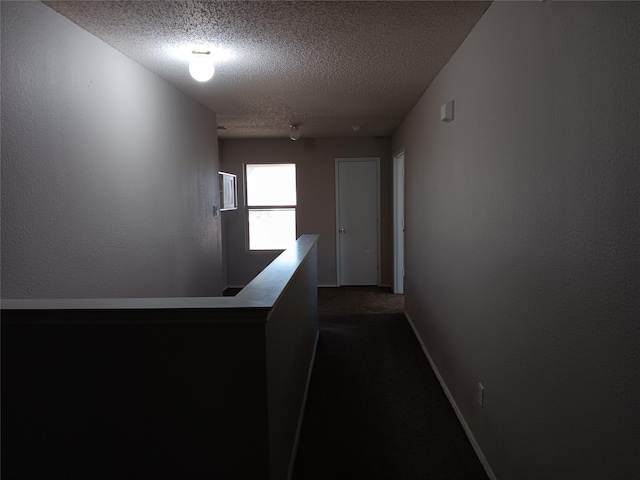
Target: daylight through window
x=271, y=205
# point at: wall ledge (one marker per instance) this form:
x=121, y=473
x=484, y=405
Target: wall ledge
x=252, y=304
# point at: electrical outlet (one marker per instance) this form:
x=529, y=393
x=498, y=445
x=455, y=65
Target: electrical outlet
x=480, y=394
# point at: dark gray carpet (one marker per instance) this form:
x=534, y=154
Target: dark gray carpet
x=375, y=409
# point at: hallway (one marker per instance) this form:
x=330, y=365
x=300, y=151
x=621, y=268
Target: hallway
x=375, y=408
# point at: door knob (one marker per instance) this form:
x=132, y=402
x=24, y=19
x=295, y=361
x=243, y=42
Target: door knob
x=343, y=230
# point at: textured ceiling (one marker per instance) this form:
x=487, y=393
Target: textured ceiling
x=325, y=65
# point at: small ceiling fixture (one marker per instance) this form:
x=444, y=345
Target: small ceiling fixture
x=201, y=66
x=295, y=132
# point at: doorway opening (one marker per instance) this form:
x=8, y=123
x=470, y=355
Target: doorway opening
x=398, y=223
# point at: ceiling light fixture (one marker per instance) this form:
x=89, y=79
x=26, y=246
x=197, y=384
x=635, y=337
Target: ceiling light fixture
x=295, y=132
x=201, y=66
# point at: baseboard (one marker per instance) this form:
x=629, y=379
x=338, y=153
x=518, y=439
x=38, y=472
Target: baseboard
x=326, y=285
x=304, y=403
x=461, y=419
x=383, y=285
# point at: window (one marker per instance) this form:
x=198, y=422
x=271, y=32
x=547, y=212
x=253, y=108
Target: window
x=271, y=205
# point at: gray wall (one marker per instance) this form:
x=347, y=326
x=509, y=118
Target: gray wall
x=175, y=388
x=315, y=165
x=522, y=236
x=291, y=333
x=109, y=174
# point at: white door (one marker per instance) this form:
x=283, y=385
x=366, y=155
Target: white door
x=357, y=220
x=398, y=224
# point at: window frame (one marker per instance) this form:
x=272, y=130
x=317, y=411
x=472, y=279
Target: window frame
x=248, y=208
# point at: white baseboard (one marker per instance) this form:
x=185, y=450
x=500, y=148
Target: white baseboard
x=321, y=286
x=304, y=403
x=461, y=419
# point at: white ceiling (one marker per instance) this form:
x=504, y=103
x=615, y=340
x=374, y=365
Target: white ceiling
x=326, y=65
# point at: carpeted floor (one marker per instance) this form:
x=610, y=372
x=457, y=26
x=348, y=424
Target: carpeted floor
x=375, y=409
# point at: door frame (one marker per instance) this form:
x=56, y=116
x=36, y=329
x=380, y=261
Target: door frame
x=337, y=222
x=398, y=222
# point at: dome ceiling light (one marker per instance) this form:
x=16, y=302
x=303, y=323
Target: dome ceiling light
x=201, y=66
